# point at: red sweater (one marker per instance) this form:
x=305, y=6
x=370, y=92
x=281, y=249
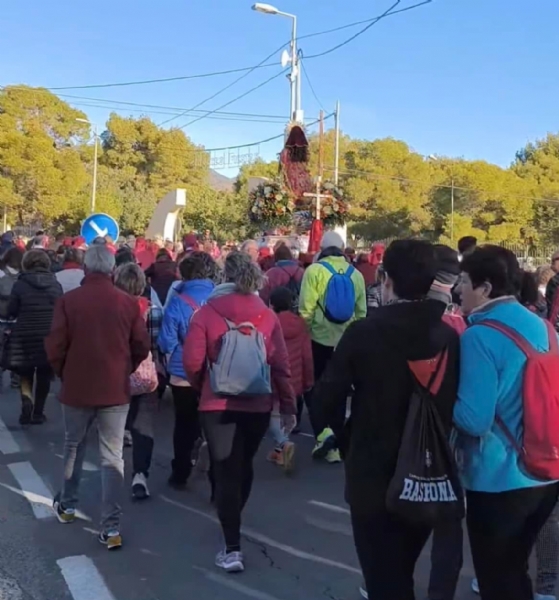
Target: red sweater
x=298, y=342
x=203, y=342
x=97, y=339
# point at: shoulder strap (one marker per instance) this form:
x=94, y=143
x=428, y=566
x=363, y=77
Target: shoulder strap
x=291, y=275
x=443, y=354
x=189, y=301
x=328, y=267
x=349, y=271
x=512, y=334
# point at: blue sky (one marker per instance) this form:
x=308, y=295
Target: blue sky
x=471, y=78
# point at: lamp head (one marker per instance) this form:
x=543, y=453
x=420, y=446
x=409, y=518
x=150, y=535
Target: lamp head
x=267, y=9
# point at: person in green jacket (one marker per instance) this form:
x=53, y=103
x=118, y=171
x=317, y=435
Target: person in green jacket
x=326, y=333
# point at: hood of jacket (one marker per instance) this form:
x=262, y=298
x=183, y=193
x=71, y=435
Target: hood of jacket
x=291, y=324
x=194, y=287
x=236, y=307
x=40, y=279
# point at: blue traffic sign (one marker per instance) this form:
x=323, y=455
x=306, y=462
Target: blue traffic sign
x=99, y=225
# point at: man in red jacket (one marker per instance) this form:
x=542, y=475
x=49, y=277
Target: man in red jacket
x=98, y=338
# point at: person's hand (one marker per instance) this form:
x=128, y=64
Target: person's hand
x=288, y=423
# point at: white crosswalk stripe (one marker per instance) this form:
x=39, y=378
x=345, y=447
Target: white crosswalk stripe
x=83, y=579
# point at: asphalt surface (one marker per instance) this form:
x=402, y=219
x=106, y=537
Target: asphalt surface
x=297, y=536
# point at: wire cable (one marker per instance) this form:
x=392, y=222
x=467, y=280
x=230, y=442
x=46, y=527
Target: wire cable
x=371, y=22
x=230, y=85
x=262, y=84
x=311, y=87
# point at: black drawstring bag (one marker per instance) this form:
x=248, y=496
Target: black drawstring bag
x=425, y=488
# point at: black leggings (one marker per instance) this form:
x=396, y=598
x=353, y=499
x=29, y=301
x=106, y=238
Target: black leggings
x=41, y=376
x=233, y=440
x=186, y=432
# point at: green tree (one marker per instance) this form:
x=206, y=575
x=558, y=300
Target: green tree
x=41, y=169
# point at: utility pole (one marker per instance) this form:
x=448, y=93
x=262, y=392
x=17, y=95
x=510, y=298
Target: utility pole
x=337, y=143
x=94, y=184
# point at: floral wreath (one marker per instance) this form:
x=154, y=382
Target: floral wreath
x=271, y=205
x=334, y=209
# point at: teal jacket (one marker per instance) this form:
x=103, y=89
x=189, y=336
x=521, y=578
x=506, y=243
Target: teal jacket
x=491, y=367
x=313, y=290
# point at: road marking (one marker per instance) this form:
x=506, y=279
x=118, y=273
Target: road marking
x=87, y=466
x=234, y=585
x=306, y=434
x=10, y=590
x=329, y=526
x=33, y=488
x=264, y=539
x=332, y=507
x=7, y=443
x=100, y=232
x=83, y=579
x=40, y=503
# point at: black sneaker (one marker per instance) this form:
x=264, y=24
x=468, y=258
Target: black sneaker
x=26, y=412
x=38, y=419
x=112, y=539
x=177, y=483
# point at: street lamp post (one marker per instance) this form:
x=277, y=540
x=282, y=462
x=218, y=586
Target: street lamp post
x=95, y=153
x=295, y=75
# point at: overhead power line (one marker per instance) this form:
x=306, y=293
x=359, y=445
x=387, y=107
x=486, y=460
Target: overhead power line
x=253, y=89
x=311, y=87
x=224, y=89
x=370, y=21
x=270, y=139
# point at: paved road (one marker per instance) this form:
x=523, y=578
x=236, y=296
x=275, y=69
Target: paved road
x=297, y=536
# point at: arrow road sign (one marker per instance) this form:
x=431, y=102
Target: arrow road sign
x=99, y=225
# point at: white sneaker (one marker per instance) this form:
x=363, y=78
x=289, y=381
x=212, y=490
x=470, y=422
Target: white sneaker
x=140, y=489
x=231, y=562
x=363, y=591
x=475, y=586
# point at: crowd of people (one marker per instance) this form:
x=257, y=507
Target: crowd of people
x=412, y=341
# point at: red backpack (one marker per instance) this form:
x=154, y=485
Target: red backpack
x=539, y=450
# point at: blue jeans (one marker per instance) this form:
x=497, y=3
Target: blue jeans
x=110, y=427
x=277, y=431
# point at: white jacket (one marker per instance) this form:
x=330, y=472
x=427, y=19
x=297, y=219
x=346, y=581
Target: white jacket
x=70, y=279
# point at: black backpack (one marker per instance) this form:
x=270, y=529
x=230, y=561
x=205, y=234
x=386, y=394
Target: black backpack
x=294, y=287
x=425, y=489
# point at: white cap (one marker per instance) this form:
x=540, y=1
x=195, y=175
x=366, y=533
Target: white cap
x=332, y=239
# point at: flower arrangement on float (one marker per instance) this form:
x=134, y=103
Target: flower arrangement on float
x=333, y=209
x=271, y=205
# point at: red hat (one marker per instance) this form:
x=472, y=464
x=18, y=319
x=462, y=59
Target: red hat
x=264, y=252
x=79, y=243
x=67, y=242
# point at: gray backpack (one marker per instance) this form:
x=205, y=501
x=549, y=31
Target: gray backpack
x=241, y=368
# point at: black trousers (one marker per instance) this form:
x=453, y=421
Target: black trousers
x=446, y=560
x=186, y=432
x=141, y=417
x=41, y=377
x=233, y=440
x=388, y=549
x=503, y=528
x=321, y=357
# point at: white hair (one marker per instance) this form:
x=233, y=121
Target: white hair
x=99, y=259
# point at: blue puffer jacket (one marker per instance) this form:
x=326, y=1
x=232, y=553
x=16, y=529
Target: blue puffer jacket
x=177, y=318
x=491, y=367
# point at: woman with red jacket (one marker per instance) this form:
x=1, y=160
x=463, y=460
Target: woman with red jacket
x=234, y=425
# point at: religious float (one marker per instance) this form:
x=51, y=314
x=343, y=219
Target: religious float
x=294, y=204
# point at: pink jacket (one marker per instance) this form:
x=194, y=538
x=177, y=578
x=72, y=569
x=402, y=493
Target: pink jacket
x=203, y=342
